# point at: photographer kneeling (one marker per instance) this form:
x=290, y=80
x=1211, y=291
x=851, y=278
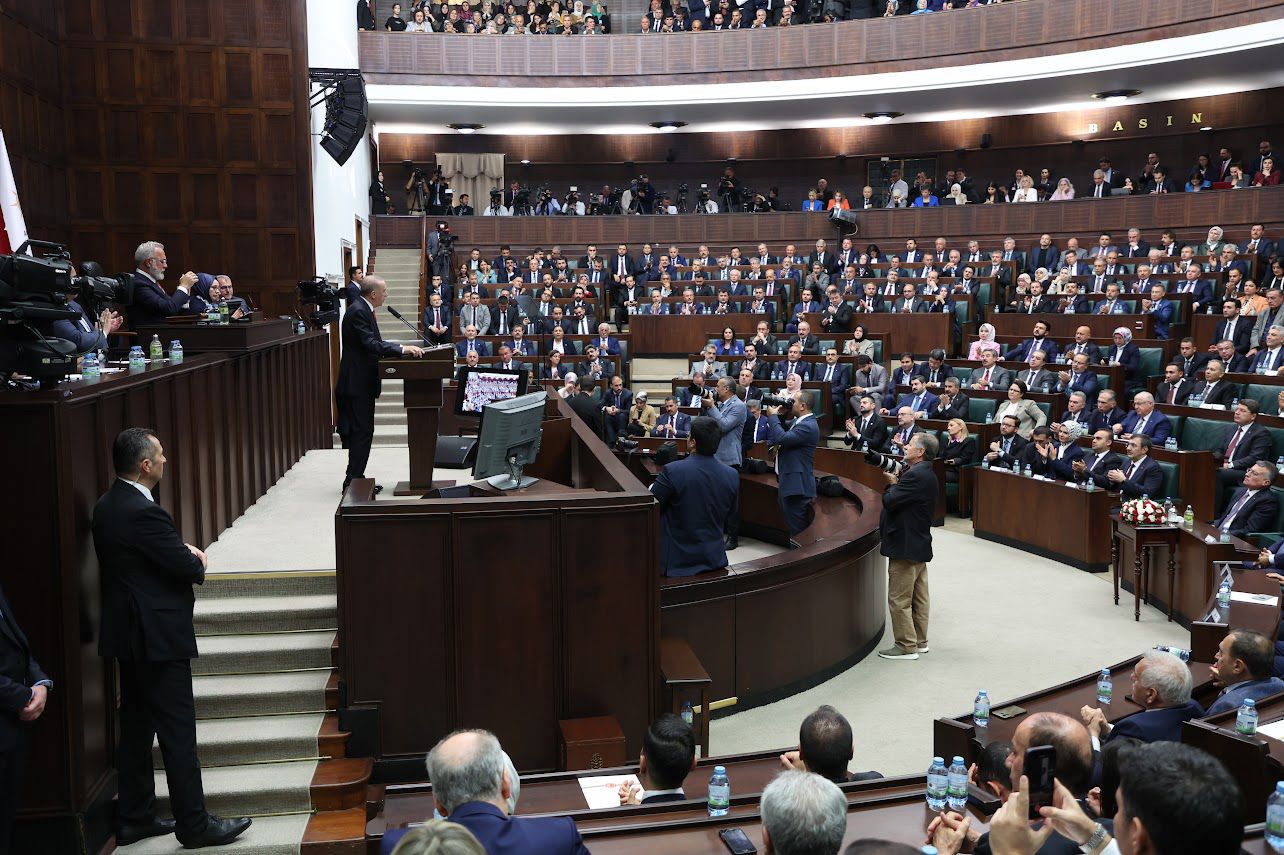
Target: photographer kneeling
x=795, y=456
x=906, y=529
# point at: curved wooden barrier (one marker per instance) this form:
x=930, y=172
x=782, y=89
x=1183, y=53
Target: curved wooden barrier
x=988, y=34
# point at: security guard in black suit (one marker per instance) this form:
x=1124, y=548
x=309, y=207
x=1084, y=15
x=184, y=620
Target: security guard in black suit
x=146, y=625
x=24, y=688
x=359, y=384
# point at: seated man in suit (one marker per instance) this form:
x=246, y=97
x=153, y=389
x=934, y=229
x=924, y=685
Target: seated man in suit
x=698, y=388
x=1077, y=412
x=809, y=343
x=1005, y=451
x=152, y=304
x=867, y=428
x=906, y=427
x=696, y=496
x=918, y=399
x=792, y=364
x=607, y=344
x=87, y=334
x=1246, y=443
x=436, y=321
x=710, y=366
x=1140, y=476
x=1189, y=359
x=672, y=424
x=1243, y=669
x=952, y=403
x=1213, y=392
x=748, y=391
x=616, y=404
x=1036, y=377
x=989, y=375
x=473, y=786
x=1145, y=419
x=506, y=361
x=836, y=374
x=869, y=378
x=1253, y=507
x=1160, y=308
x=909, y=302
x=668, y=754
x=1079, y=378
x=759, y=368
x=1232, y=360
x=1038, y=341
x=1095, y=465
x=763, y=340
x=756, y=428
x=798, y=314
x=826, y=747
x=1161, y=683
x=470, y=341
x=1176, y=387
x=594, y=368
x=1107, y=414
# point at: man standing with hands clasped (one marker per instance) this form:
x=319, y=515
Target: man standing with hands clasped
x=730, y=413
x=906, y=528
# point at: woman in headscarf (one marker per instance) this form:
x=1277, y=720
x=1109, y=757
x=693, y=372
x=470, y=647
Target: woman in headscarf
x=986, y=340
x=1124, y=352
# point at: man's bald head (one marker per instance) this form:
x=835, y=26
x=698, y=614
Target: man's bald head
x=468, y=766
x=1067, y=736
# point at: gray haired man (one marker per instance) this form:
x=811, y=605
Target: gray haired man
x=730, y=414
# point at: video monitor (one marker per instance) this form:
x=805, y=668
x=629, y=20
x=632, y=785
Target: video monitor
x=481, y=386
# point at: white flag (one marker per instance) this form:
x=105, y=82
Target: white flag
x=13, y=228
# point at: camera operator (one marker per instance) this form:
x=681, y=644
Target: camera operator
x=441, y=244
x=725, y=407
x=729, y=188
x=464, y=208
x=643, y=195
x=704, y=204
x=760, y=205
x=415, y=188
x=574, y=206
x=438, y=193
x=606, y=202
x=906, y=528
x=88, y=333
x=547, y=205
x=497, y=208
x=795, y=453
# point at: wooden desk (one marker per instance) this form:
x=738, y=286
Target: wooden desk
x=1208, y=632
x=561, y=605
x=674, y=335
x=1049, y=518
x=233, y=337
x=851, y=464
x=232, y=423
x=1193, y=579
x=1143, y=539
x=916, y=333
x=959, y=736
x=1102, y=326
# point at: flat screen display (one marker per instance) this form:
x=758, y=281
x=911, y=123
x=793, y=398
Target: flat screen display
x=481, y=386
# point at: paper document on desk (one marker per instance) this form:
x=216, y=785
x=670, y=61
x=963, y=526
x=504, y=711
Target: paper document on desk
x=604, y=791
x=1255, y=599
x=1275, y=730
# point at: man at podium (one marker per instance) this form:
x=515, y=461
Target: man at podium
x=359, y=383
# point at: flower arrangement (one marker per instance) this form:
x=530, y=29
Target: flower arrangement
x=1142, y=512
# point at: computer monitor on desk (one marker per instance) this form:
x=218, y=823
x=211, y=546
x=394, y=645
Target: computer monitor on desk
x=509, y=440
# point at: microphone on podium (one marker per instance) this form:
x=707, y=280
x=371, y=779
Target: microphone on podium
x=412, y=327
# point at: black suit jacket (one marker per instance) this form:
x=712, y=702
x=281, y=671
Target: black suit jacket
x=761, y=369
x=1255, y=445
x=19, y=671
x=1109, y=460
x=1146, y=481
x=810, y=344
x=956, y=410
x=1184, y=388
x=1223, y=393
x=363, y=347
x=841, y=320
x=1257, y=515
x=590, y=412
x=960, y=453
x=906, y=521
x=875, y=433
x=147, y=578
x=1243, y=337
x=152, y=304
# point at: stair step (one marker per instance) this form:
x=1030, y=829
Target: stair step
x=341, y=784
x=284, y=583
x=264, y=694
x=255, y=654
x=336, y=832
x=259, y=739
x=269, y=835
x=234, y=615
x=331, y=740
x=253, y=790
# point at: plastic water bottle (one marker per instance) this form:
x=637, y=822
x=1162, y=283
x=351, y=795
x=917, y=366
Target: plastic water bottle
x=137, y=362
x=1234, y=403
x=981, y=709
x=929, y=849
x=1168, y=508
x=989, y=417
x=1029, y=472
x=1188, y=519
x=1180, y=652
x=156, y=351
x=956, y=795
x=1246, y=719
x=223, y=314
x=1170, y=444
x=985, y=463
x=1279, y=461
x=90, y=370
x=300, y=328
x=719, y=792
x=688, y=714
x=937, y=785
x=1275, y=819
x=1105, y=687
x=175, y=351
x=1224, y=594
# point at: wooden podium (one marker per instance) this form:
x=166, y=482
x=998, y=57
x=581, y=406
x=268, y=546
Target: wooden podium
x=422, y=379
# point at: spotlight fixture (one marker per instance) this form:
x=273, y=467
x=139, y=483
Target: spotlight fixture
x=526, y=161
x=668, y=127
x=883, y=117
x=466, y=127
x=1116, y=96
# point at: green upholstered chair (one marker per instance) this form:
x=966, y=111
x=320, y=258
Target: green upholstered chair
x=979, y=408
x=1204, y=434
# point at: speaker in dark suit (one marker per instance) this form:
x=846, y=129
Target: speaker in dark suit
x=359, y=384
x=795, y=473
x=146, y=625
x=24, y=688
x=152, y=303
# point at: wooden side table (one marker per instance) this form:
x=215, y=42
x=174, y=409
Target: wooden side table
x=1143, y=539
x=685, y=678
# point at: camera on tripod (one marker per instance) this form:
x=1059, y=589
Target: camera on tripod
x=322, y=292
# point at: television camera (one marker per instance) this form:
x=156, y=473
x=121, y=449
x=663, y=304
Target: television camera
x=322, y=293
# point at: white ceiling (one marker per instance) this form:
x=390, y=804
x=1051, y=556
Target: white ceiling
x=1203, y=65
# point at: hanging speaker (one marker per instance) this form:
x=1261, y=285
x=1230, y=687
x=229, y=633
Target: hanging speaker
x=345, y=118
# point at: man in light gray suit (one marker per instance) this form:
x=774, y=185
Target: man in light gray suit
x=870, y=379
x=474, y=314
x=990, y=375
x=730, y=413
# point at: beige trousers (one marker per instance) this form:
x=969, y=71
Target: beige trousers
x=908, y=602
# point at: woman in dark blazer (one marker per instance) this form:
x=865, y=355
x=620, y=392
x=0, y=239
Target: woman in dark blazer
x=1124, y=352
x=958, y=451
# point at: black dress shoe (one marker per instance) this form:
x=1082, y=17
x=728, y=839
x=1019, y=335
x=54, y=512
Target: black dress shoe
x=378, y=489
x=218, y=832
x=732, y=542
x=128, y=834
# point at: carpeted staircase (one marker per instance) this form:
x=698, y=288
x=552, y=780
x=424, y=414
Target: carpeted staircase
x=400, y=269
x=268, y=738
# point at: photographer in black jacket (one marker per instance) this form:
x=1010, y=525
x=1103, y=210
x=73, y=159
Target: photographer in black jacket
x=906, y=528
